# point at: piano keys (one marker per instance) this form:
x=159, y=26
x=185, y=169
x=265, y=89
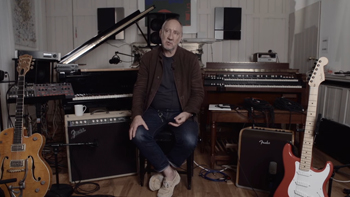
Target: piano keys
x=230, y=83
x=108, y=89
x=251, y=75
x=83, y=97
x=241, y=80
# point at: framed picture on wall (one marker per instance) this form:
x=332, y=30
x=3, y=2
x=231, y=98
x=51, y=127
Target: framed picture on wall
x=24, y=21
x=187, y=9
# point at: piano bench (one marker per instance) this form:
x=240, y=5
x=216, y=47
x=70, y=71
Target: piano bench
x=166, y=140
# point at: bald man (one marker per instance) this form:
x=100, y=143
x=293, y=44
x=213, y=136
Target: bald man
x=168, y=94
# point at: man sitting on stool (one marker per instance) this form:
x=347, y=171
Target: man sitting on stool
x=168, y=91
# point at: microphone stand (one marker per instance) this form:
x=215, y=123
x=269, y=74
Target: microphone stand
x=62, y=190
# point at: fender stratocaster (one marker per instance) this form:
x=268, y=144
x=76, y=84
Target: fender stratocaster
x=21, y=156
x=300, y=178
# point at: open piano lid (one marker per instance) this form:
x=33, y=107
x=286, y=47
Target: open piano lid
x=77, y=53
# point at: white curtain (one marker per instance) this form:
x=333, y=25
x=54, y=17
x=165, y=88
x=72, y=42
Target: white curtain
x=7, y=52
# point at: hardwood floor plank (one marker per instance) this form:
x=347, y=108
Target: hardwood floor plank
x=129, y=186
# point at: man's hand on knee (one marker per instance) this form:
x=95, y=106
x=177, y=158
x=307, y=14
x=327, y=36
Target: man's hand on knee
x=136, y=122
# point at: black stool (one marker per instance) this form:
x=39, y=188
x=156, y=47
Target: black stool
x=166, y=141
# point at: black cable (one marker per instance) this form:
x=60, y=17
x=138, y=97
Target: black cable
x=205, y=172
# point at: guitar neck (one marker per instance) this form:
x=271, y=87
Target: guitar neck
x=17, y=138
x=306, y=154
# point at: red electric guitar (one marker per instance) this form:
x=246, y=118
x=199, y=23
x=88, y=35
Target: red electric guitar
x=20, y=155
x=300, y=178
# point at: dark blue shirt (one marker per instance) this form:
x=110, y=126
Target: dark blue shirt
x=166, y=97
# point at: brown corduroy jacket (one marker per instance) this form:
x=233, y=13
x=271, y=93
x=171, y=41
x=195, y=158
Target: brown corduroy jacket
x=187, y=75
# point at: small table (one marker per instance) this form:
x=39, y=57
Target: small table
x=242, y=116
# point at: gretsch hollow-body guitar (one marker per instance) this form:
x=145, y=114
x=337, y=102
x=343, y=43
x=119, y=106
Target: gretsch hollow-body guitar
x=20, y=155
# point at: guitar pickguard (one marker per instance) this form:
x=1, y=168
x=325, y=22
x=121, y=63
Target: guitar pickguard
x=308, y=183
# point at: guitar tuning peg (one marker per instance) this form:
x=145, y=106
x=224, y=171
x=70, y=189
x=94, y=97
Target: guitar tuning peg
x=32, y=67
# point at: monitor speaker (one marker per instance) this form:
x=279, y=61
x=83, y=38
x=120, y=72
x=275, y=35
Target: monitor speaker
x=260, y=163
x=228, y=23
x=98, y=146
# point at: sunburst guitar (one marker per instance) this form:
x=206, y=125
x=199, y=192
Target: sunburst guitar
x=21, y=156
x=300, y=178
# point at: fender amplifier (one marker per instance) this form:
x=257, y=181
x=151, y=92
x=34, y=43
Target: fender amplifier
x=260, y=163
x=99, y=146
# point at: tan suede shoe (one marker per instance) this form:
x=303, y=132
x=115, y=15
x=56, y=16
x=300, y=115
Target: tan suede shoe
x=155, y=182
x=167, y=188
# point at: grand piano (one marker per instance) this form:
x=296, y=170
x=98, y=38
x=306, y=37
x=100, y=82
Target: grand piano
x=106, y=89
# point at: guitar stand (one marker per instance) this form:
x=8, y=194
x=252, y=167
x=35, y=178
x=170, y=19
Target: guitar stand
x=62, y=190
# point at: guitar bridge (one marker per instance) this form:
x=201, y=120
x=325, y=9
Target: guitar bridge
x=14, y=171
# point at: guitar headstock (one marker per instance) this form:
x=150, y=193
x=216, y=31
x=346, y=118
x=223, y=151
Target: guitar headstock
x=24, y=62
x=317, y=76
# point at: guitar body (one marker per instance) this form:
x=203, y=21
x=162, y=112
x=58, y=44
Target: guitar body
x=27, y=165
x=302, y=183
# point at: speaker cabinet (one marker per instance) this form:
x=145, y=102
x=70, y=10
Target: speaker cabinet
x=260, y=163
x=99, y=146
x=228, y=23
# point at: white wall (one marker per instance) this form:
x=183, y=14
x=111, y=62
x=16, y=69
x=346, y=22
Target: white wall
x=303, y=34
x=6, y=52
x=335, y=28
x=302, y=4
x=264, y=27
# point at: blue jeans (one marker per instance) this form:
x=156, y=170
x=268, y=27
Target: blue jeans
x=186, y=138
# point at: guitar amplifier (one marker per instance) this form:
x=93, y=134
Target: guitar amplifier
x=98, y=146
x=260, y=163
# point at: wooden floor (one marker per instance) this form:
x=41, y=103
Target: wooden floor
x=129, y=186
